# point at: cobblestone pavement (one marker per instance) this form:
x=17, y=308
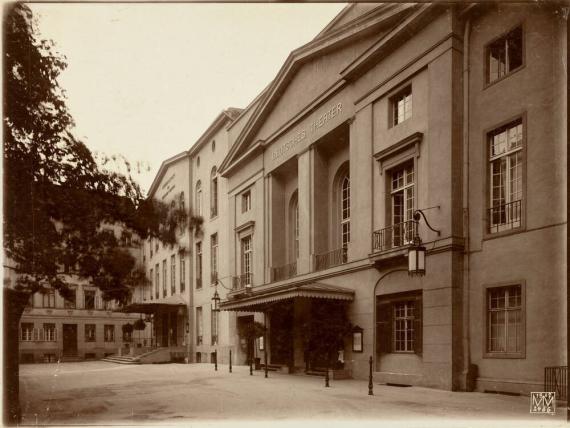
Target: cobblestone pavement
x=96, y=393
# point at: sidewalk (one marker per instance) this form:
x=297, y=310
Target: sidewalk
x=106, y=393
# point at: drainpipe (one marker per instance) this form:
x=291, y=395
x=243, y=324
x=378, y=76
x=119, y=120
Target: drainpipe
x=466, y=275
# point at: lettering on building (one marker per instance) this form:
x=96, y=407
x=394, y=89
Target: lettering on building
x=314, y=126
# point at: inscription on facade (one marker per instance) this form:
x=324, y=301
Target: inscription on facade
x=168, y=185
x=322, y=120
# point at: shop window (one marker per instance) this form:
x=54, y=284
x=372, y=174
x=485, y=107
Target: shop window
x=505, y=321
x=505, y=148
x=399, y=324
x=504, y=55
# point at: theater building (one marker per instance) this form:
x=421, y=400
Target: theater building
x=392, y=109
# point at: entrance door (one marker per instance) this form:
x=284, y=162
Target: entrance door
x=281, y=335
x=69, y=339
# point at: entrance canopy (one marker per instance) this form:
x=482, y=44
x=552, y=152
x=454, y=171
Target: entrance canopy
x=259, y=301
x=151, y=307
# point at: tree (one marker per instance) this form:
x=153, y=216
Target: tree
x=58, y=197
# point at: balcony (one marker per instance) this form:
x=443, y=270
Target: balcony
x=397, y=235
x=283, y=272
x=332, y=258
x=504, y=217
x=241, y=282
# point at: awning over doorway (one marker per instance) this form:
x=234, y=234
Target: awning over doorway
x=153, y=306
x=259, y=301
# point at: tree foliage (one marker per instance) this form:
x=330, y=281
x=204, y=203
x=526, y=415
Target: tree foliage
x=60, y=203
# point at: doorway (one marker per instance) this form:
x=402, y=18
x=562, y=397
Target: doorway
x=281, y=334
x=70, y=339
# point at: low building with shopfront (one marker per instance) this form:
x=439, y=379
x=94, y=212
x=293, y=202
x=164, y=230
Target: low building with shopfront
x=400, y=122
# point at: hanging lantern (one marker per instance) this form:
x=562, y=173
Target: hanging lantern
x=216, y=302
x=416, y=258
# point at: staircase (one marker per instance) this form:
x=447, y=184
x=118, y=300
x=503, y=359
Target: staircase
x=154, y=356
x=125, y=359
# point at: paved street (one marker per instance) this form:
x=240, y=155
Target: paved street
x=96, y=393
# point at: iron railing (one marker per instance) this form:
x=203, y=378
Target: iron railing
x=394, y=236
x=330, y=259
x=556, y=380
x=280, y=273
x=242, y=281
x=504, y=217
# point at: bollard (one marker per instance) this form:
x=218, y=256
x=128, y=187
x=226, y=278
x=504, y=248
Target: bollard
x=230, y=360
x=370, y=385
x=250, y=368
x=327, y=377
x=216, y=360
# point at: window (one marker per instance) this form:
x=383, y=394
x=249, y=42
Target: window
x=214, y=327
x=164, y=278
x=505, y=331
x=198, y=162
x=107, y=305
x=151, y=283
x=109, y=333
x=182, y=271
x=27, y=332
x=150, y=245
x=504, y=55
x=402, y=195
x=70, y=302
x=48, y=299
x=213, y=193
x=402, y=106
x=199, y=326
x=214, y=258
x=246, y=201
x=294, y=222
x=506, y=177
x=345, y=211
x=89, y=299
x=399, y=323
x=199, y=198
x=172, y=274
x=157, y=281
x=199, y=265
x=246, y=260
x=49, y=332
x=90, y=333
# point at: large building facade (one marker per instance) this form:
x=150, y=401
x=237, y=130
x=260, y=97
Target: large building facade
x=398, y=121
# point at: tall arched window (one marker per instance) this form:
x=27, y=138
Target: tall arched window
x=199, y=198
x=294, y=227
x=213, y=193
x=344, y=199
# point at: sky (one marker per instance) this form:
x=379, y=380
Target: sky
x=146, y=80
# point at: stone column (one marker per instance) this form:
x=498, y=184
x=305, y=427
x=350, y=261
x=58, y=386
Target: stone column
x=304, y=263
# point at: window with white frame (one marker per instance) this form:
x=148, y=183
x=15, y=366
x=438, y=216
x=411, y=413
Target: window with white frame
x=404, y=326
x=246, y=201
x=213, y=193
x=402, y=196
x=504, y=55
x=199, y=265
x=213, y=258
x=109, y=332
x=172, y=274
x=182, y=271
x=27, y=331
x=199, y=326
x=402, y=106
x=246, y=260
x=345, y=210
x=505, y=320
x=48, y=299
x=399, y=323
x=199, y=198
x=506, y=177
x=49, y=332
x=294, y=222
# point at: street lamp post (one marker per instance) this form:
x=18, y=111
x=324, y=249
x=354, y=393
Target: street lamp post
x=215, y=311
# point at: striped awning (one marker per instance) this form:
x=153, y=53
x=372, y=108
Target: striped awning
x=260, y=301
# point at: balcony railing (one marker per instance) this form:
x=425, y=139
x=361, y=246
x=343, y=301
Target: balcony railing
x=242, y=281
x=394, y=236
x=330, y=259
x=504, y=217
x=283, y=272
x=213, y=277
x=555, y=380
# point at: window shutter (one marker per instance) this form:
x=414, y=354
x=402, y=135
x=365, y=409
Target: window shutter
x=418, y=330
x=383, y=328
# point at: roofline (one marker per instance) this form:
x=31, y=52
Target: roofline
x=166, y=163
x=214, y=127
x=337, y=18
